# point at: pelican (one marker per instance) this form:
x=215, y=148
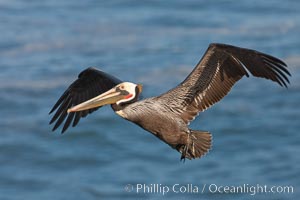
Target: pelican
x=167, y=116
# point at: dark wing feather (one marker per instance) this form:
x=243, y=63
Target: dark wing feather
x=213, y=77
x=90, y=83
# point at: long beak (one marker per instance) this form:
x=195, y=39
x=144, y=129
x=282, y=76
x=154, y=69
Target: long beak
x=109, y=97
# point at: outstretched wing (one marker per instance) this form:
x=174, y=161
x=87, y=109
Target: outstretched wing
x=219, y=69
x=90, y=83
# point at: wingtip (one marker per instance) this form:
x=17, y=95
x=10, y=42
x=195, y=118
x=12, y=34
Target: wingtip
x=51, y=121
x=287, y=85
x=284, y=84
x=51, y=111
x=53, y=129
x=64, y=129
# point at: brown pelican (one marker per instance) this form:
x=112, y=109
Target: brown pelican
x=167, y=116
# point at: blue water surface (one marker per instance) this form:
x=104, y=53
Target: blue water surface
x=45, y=44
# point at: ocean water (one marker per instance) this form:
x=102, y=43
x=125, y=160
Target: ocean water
x=45, y=44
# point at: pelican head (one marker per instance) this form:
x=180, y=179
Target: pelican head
x=122, y=93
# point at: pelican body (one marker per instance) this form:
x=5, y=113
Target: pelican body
x=167, y=116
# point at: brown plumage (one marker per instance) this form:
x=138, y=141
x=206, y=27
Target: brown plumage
x=168, y=115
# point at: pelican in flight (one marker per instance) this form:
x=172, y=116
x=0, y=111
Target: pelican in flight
x=167, y=116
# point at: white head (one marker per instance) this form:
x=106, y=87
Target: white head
x=129, y=91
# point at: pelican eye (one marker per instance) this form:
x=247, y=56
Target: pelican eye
x=122, y=87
